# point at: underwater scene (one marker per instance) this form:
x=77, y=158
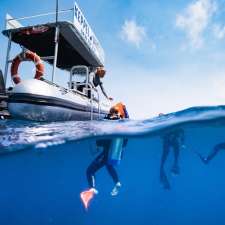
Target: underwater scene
x=170, y=170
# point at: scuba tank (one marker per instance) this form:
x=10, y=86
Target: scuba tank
x=117, y=144
x=115, y=151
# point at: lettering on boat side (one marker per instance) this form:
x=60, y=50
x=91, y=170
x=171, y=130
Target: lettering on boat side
x=85, y=30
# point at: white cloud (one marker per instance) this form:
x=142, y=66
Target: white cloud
x=133, y=33
x=195, y=20
x=219, y=31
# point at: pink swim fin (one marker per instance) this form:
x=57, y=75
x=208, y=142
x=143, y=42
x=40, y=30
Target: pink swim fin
x=86, y=197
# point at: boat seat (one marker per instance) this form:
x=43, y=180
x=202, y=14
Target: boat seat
x=81, y=90
x=80, y=87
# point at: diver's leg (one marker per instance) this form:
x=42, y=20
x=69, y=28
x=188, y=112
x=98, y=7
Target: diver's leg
x=97, y=164
x=87, y=195
x=214, y=152
x=176, y=149
x=104, y=161
x=111, y=170
x=163, y=178
x=115, y=178
x=166, y=148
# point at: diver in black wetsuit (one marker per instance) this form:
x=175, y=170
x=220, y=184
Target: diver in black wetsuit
x=173, y=139
x=213, y=153
x=110, y=148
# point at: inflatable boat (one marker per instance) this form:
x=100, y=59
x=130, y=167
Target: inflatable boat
x=67, y=45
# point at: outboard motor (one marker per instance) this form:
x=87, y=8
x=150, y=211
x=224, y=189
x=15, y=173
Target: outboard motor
x=2, y=84
x=3, y=97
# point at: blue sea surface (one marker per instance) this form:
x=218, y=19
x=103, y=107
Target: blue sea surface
x=43, y=170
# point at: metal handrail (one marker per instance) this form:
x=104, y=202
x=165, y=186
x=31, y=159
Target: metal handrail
x=61, y=87
x=39, y=15
x=89, y=87
x=71, y=74
x=43, y=58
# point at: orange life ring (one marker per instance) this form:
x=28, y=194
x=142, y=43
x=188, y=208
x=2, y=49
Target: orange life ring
x=26, y=56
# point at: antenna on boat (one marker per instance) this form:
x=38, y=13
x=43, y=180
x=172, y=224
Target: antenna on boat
x=57, y=11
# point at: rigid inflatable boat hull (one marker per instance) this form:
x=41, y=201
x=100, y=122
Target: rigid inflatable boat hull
x=40, y=101
x=27, y=111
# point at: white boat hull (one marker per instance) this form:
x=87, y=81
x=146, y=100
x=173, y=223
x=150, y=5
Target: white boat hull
x=34, y=112
x=40, y=101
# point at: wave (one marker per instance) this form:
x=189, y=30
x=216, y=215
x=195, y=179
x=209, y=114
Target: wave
x=18, y=135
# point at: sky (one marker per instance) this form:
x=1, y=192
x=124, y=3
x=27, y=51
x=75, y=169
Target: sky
x=161, y=56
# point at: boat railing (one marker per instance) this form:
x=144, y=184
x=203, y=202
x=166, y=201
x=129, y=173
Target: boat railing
x=12, y=23
x=88, y=88
x=84, y=71
x=61, y=87
x=92, y=100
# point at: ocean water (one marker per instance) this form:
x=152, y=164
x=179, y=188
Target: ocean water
x=43, y=170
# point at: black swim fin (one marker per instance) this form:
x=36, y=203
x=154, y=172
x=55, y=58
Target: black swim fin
x=203, y=159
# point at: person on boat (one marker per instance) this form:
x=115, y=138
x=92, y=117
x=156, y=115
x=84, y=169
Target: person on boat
x=218, y=148
x=173, y=139
x=111, y=155
x=96, y=80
